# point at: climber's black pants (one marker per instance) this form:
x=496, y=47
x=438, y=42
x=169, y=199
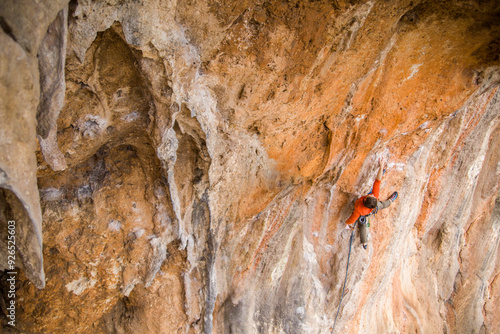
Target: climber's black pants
x=363, y=230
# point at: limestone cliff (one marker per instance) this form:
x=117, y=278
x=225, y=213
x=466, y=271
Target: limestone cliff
x=187, y=166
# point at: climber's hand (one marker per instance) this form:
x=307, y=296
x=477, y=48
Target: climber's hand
x=348, y=227
x=381, y=169
x=382, y=164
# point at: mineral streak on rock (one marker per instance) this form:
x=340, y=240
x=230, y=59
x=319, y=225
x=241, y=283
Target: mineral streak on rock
x=189, y=165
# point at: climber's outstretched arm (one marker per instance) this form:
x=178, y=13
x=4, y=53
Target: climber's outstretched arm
x=378, y=180
x=381, y=164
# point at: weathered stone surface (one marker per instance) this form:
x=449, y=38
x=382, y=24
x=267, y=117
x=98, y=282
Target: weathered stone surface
x=19, y=200
x=51, y=61
x=26, y=21
x=210, y=152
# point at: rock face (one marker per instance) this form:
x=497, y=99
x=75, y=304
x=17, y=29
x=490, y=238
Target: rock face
x=191, y=168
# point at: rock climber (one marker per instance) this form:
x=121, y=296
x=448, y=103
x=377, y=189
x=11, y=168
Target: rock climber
x=368, y=205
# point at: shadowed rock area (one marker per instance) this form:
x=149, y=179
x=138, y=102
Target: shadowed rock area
x=188, y=166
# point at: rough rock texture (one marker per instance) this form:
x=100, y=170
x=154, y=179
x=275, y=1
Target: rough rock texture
x=23, y=24
x=196, y=176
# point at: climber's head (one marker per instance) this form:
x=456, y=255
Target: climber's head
x=370, y=202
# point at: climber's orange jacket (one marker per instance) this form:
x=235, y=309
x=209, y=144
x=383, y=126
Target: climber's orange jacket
x=359, y=208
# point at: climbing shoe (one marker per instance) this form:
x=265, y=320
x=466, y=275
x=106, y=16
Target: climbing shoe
x=394, y=196
x=365, y=246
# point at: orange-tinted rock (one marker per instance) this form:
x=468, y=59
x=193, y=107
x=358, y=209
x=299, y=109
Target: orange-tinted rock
x=212, y=151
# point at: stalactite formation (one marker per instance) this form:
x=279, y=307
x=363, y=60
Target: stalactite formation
x=188, y=166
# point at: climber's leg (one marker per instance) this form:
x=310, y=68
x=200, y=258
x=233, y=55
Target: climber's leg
x=363, y=233
x=384, y=204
